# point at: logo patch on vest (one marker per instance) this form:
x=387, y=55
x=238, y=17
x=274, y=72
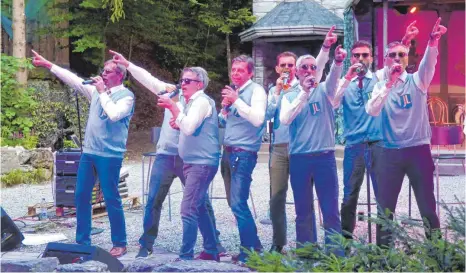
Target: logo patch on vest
x=405, y=101
x=315, y=108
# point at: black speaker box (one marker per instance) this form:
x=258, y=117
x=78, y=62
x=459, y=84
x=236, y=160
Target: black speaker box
x=74, y=253
x=11, y=235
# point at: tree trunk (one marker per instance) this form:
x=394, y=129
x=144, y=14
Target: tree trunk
x=227, y=40
x=19, y=38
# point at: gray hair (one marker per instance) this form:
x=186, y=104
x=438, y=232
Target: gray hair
x=395, y=44
x=120, y=68
x=302, y=58
x=201, y=74
x=246, y=59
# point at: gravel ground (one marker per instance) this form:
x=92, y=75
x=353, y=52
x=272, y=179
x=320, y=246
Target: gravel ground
x=15, y=201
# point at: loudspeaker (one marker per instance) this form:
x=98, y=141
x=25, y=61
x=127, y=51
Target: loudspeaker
x=74, y=253
x=11, y=236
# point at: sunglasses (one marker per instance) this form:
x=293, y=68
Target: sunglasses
x=358, y=55
x=400, y=54
x=188, y=81
x=313, y=67
x=285, y=65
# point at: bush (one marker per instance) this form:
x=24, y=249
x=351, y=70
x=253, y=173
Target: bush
x=28, y=142
x=18, y=176
x=413, y=253
x=17, y=104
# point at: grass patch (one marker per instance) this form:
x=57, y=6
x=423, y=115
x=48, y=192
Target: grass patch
x=17, y=177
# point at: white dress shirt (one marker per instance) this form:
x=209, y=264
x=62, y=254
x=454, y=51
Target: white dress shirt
x=290, y=110
x=145, y=78
x=422, y=79
x=255, y=113
x=114, y=110
x=200, y=109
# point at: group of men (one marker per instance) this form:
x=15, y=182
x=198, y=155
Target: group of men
x=385, y=122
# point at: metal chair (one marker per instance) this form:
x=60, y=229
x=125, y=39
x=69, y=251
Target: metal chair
x=155, y=135
x=221, y=136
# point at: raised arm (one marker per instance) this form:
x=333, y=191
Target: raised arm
x=323, y=56
x=64, y=75
x=423, y=77
x=155, y=85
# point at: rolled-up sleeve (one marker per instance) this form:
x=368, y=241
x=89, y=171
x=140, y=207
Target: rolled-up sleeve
x=255, y=113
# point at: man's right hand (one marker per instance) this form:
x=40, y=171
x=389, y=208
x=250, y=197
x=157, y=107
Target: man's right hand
x=278, y=86
x=394, y=73
x=40, y=61
x=118, y=58
x=352, y=71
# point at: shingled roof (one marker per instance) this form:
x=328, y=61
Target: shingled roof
x=302, y=18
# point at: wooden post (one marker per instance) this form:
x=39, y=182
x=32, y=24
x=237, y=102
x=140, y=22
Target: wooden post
x=443, y=58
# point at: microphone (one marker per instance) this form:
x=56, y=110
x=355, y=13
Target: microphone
x=361, y=71
x=286, y=79
x=87, y=82
x=227, y=108
x=176, y=91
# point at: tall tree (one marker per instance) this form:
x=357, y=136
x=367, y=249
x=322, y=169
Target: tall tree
x=19, y=38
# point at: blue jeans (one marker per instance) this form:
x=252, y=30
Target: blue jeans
x=318, y=169
x=107, y=170
x=358, y=158
x=242, y=164
x=194, y=210
x=164, y=170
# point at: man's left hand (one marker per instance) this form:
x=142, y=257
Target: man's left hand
x=229, y=94
x=172, y=123
x=330, y=38
x=99, y=84
x=340, y=54
x=437, y=32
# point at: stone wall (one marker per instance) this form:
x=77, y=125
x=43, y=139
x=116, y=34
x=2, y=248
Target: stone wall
x=19, y=158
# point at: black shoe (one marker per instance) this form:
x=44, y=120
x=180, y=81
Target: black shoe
x=276, y=248
x=143, y=252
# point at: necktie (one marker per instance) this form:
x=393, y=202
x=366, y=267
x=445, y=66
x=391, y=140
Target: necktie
x=360, y=83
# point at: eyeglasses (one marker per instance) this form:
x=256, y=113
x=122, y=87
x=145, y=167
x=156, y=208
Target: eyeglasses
x=188, y=81
x=285, y=65
x=313, y=67
x=358, y=55
x=400, y=54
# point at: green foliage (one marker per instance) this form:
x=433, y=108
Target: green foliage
x=17, y=177
x=57, y=116
x=17, y=103
x=412, y=253
x=28, y=142
x=69, y=144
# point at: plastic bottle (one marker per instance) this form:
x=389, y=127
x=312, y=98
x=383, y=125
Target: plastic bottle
x=43, y=210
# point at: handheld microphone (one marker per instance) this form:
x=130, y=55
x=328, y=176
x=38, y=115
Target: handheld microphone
x=362, y=70
x=88, y=82
x=175, y=92
x=397, y=69
x=227, y=108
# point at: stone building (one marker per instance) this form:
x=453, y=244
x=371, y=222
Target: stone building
x=297, y=26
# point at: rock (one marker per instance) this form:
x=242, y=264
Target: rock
x=149, y=263
x=37, y=265
x=24, y=156
x=9, y=160
x=90, y=266
x=42, y=158
x=199, y=266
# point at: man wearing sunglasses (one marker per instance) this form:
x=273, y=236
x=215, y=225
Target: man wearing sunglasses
x=279, y=157
x=199, y=149
x=361, y=131
x=245, y=112
x=401, y=101
x=112, y=106
x=167, y=164
x=309, y=114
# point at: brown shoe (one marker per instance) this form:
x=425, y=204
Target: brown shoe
x=118, y=251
